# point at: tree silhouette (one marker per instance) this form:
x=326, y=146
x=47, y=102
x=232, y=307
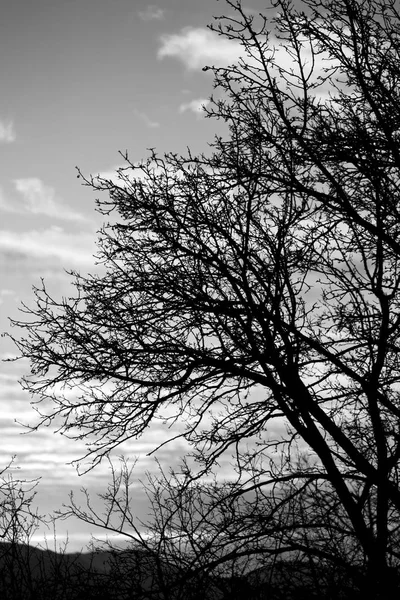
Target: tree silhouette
x=258, y=284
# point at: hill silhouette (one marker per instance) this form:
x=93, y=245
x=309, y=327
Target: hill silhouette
x=33, y=573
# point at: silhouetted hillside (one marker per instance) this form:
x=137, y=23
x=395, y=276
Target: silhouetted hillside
x=31, y=573
x=28, y=572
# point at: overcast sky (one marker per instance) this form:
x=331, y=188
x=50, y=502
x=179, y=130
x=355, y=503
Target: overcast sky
x=81, y=80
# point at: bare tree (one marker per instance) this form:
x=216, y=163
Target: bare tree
x=19, y=520
x=225, y=540
x=259, y=283
x=161, y=556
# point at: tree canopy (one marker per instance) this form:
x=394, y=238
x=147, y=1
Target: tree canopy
x=258, y=283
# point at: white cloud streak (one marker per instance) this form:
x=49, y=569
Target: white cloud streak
x=41, y=199
x=195, y=106
x=7, y=132
x=73, y=249
x=197, y=47
x=37, y=198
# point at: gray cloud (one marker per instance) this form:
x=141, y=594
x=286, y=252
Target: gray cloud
x=152, y=13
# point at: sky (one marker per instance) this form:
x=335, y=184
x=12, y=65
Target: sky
x=81, y=81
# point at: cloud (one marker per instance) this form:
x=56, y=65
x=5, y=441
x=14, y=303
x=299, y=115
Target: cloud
x=197, y=47
x=7, y=132
x=196, y=106
x=73, y=249
x=152, y=13
x=111, y=174
x=146, y=119
x=121, y=175
x=38, y=199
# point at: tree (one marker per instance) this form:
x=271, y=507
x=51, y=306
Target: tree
x=19, y=520
x=259, y=283
x=208, y=540
x=167, y=556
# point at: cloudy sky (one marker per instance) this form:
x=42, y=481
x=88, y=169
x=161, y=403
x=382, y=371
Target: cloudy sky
x=81, y=80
